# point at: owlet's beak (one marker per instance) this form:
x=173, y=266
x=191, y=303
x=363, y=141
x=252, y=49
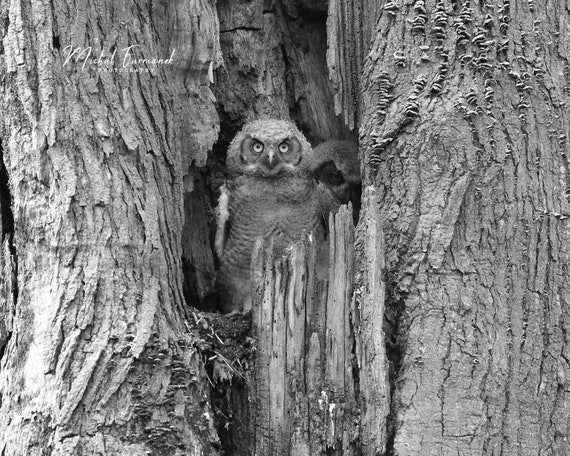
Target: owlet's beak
x=268, y=159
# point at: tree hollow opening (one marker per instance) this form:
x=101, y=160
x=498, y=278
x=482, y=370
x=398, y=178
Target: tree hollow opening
x=275, y=66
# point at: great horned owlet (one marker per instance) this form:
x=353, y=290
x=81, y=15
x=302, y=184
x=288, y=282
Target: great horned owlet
x=337, y=169
x=270, y=192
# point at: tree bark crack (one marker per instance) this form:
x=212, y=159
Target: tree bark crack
x=242, y=27
x=394, y=350
x=6, y=216
x=8, y=259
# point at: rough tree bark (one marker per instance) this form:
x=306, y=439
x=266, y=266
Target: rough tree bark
x=463, y=121
x=96, y=356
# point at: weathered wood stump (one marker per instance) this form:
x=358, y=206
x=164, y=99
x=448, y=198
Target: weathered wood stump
x=317, y=343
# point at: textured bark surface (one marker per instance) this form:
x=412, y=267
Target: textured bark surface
x=99, y=361
x=8, y=294
x=351, y=26
x=368, y=313
x=275, y=65
x=197, y=255
x=463, y=121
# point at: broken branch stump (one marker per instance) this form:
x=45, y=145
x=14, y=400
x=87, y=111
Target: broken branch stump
x=305, y=384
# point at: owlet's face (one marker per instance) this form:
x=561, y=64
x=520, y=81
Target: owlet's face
x=337, y=167
x=332, y=178
x=270, y=156
x=270, y=148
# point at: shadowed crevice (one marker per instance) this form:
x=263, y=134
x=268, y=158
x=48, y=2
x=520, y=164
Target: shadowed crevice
x=394, y=349
x=7, y=235
x=6, y=216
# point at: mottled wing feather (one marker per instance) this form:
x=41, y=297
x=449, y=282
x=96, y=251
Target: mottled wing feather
x=328, y=200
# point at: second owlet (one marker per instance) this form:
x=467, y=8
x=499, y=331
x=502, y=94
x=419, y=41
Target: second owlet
x=270, y=193
x=337, y=169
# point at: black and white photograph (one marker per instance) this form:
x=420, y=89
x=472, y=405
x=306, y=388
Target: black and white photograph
x=285, y=228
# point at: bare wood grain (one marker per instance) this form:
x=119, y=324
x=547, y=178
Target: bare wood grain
x=306, y=386
x=351, y=29
x=368, y=317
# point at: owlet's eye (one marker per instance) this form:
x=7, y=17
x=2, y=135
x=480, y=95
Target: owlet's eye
x=336, y=178
x=284, y=147
x=257, y=147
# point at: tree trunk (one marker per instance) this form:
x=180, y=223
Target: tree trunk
x=463, y=127
x=96, y=356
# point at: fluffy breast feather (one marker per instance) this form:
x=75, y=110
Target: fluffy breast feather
x=222, y=218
